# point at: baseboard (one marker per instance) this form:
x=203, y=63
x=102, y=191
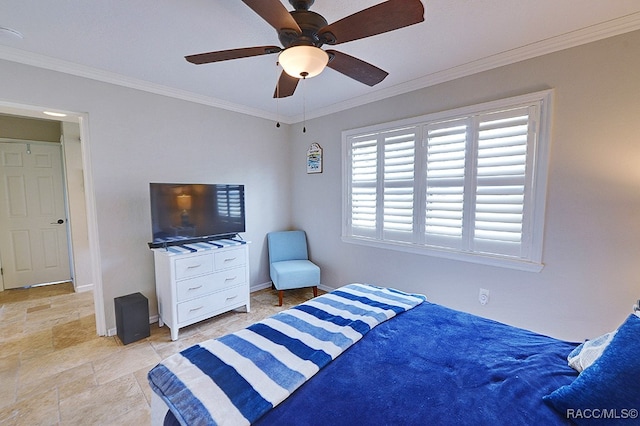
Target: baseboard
x=83, y=288
x=326, y=288
x=262, y=286
x=258, y=287
x=114, y=331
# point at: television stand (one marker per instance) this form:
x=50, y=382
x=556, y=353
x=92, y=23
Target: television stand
x=195, y=282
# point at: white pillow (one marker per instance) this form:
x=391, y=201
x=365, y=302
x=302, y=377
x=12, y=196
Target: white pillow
x=588, y=352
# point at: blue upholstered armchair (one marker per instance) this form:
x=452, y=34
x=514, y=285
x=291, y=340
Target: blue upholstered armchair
x=289, y=264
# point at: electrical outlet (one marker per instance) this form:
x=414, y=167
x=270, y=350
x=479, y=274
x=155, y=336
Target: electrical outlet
x=483, y=297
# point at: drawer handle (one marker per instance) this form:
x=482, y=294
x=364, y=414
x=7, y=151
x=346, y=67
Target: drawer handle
x=232, y=297
x=196, y=309
x=229, y=259
x=195, y=288
x=194, y=266
x=231, y=278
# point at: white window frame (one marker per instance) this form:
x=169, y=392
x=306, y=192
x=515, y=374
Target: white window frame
x=529, y=256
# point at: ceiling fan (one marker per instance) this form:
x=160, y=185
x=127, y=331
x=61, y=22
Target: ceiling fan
x=302, y=33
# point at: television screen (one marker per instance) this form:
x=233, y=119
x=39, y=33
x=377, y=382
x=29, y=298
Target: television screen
x=197, y=212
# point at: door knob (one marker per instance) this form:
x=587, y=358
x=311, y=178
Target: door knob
x=59, y=222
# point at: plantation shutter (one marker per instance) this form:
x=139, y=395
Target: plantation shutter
x=446, y=145
x=465, y=184
x=398, y=191
x=364, y=169
x=501, y=181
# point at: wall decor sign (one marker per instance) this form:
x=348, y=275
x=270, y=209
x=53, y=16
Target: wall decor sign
x=314, y=159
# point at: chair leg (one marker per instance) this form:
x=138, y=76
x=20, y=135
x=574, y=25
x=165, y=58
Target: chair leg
x=280, y=293
x=315, y=291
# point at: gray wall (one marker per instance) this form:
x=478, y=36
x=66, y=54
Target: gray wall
x=592, y=232
x=30, y=129
x=136, y=138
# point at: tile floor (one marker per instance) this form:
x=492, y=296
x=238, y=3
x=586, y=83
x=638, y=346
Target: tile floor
x=55, y=370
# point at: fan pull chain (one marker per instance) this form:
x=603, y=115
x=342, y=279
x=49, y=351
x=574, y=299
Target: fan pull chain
x=277, y=96
x=304, y=104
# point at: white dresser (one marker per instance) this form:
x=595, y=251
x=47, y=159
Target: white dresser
x=195, y=285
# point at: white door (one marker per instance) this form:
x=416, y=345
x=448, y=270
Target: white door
x=33, y=230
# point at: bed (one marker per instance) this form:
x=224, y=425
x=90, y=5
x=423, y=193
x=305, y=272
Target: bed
x=372, y=355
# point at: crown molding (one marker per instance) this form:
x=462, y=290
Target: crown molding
x=565, y=41
x=72, y=68
x=572, y=39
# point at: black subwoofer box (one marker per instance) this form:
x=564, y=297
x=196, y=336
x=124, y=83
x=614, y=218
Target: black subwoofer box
x=132, y=317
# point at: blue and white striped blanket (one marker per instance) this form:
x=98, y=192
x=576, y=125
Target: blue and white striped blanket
x=235, y=379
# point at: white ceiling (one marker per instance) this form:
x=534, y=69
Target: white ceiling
x=142, y=44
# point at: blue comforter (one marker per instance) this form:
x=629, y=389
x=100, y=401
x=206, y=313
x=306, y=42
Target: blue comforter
x=236, y=379
x=432, y=365
x=435, y=366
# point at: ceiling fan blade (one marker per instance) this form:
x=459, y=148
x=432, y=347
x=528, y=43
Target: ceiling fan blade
x=225, y=55
x=388, y=16
x=356, y=68
x=286, y=86
x=274, y=12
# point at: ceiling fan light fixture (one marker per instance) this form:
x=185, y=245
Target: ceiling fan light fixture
x=303, y=61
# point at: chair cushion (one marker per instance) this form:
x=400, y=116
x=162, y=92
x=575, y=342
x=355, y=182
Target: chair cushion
x=289, y=274
x=287, y=245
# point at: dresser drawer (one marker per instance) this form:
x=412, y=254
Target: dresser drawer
x=199, y=286
x=230, y=259
x=194, y=266
x=207, y=305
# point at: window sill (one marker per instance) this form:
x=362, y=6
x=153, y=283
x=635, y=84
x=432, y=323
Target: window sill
x=478, y=258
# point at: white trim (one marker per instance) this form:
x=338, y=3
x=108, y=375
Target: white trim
x=541, y=169
x=454, y=112
x=326, y=288
x=596, y=32
x=114, y=331
x=92, y=225
x=451, y=255
x=28, y=141
x=268, y=284
x=65, y=183
x=590, y=34
x=36, y=111
x=84, y=288
x=258, y=287
x=59, y=65
x=154, y=318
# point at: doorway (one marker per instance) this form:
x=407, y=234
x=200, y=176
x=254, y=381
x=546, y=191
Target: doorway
x=34, y=243
x=78, y=184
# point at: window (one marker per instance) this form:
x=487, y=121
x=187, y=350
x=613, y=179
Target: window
x=467, y=184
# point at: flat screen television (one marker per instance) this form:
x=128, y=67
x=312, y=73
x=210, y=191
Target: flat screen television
x=183, y=213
